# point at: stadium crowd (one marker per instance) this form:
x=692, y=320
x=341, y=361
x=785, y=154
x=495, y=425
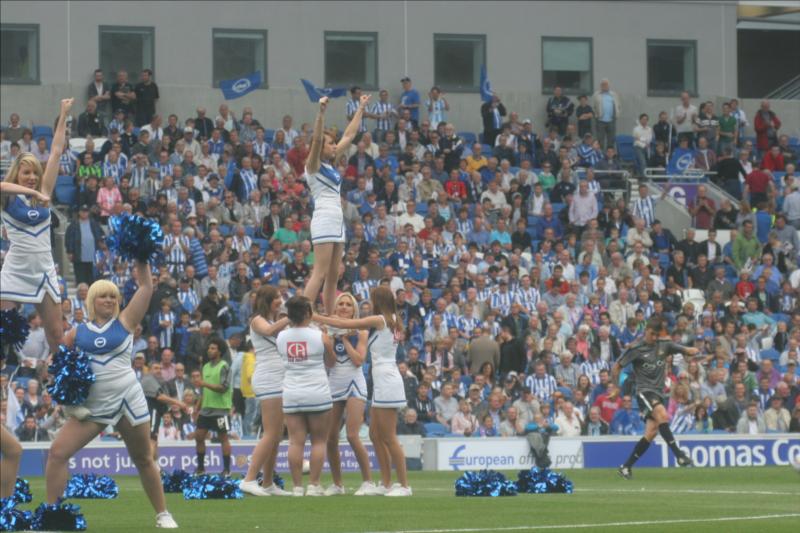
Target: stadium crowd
x=522, y=267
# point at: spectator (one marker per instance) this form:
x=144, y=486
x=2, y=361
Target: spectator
x=90, y=122
x=751, y=421
x=766, y=125
x=492, y=113
x=594, y=426
x=702, y=208
x=559, y=109
x=626, y=421
x=99, y=92
x=123, y=95
x=642, y=138
x=82, y=237
x=409, y=424
x=446, y=405
x=685, y=116
x=607, y=109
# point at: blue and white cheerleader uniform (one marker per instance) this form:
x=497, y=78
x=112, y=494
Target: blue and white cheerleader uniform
x=28, y=270
x=327, y=220
x=267, y=380
x=388, y=391
x=345, y=378
x=117, y=392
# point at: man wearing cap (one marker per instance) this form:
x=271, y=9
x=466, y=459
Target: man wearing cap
x=409, y=99
x=81, y=238
x=191, y=144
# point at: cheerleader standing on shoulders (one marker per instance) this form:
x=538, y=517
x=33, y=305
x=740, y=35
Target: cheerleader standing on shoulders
x=267, y=383
x=349, y=394
x=388, y=391
x=305, y=352
x=9, y=446
x=116, y=398
x=29, y=274
x=327, y=222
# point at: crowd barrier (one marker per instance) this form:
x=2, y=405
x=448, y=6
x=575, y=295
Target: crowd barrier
x=444, y=454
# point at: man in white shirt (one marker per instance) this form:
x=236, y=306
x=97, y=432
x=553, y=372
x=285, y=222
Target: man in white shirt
x=288, y=132
x=411, y=217
x=154, y=128
x=583, y=207
x=684, y=116
x=569, y=422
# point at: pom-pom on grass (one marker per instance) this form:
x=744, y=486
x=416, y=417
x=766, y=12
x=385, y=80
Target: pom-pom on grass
x=90, y=486
x=135, y=237
x=14, y=329
x=13, y=519
x=176, y=481
x=72, y=376
x=543, y=481
x=22, y=491
x=58, y=517
x=208, y=487
x=485, y=483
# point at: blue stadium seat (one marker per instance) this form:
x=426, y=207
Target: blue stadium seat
x=231, y=331
x=47, y=138
x=487, y=150
x=224, y=230
x=469, y=137
x=532, y=219
x=65, y=180
x=625, y=147
x=263, y=244
x=66, y=194
x=42, y=131
x=771, y=354
x=269, y=135
x=434, y=429
x=557, y=208
x=249, y=231
x=480, y=137
x=136, y=131
x=514, y=170
x=436, y=293
x=794, y=142
x=422, y=208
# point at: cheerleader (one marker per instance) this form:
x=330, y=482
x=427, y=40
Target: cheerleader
x=116, y=398
x=306, y=352
x=349, y=394
x=267, y=382
x=29, y=274
x=328, y=230
x=388, y=391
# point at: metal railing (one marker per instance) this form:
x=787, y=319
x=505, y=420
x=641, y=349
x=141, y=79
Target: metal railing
x=788, y=91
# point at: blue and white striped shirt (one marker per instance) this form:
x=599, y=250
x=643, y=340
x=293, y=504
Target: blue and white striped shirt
x=138, y=175
x=351, y=108
x=436, y=112
x=464, y=227
x=68, y=163
x=592, y=369
x=115, y=170
x=361, y=288
x=527, y=298
x=165, y=334
x=189, y=300
x=381, y=108
x=483, y=294
x=501, y=301
x=263, y=149
x=164, y=169
x=468, y=325
x=645, y=208
x=543, y=388
x=249, y=182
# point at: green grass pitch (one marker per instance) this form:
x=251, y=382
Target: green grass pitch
x=716, y=500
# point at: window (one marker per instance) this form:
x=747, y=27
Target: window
x=127, y=48
x=567, y=63
x=671, y=67
x=238, y=53
x=351, y=58
x=457, y=61
x=19, y=53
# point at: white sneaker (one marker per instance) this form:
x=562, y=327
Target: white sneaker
x=335, y=490
x=398, y=491
x=77, y=412
x=298, y=491
x=381, y=490
x=165, y=521
x=367, y=488
x=315, y=490
x=253, y=488
x=275, y=490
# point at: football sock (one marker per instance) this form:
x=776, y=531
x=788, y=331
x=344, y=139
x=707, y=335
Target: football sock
x=226, y=461
x=638, y=451
x=667, y=435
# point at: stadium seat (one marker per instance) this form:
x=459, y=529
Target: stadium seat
x=42, y=131
x=469, y=137
x=794, y=142
x=66, y=194
x=249, y=231
x=625, y=147
x=262, y=243
x=65, y=180
x=486, y=150
x=480, y=138
x=136, y=131
x=770, y=354
x=557, y=208
x=224, y=230
x=269, y=135
x=436, y=293
x=514, y=170
x=422, y=208
x=532, y=220
x=231, y=331
x=434, y=429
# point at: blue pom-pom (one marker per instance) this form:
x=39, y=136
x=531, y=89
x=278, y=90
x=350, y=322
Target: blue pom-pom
x=14, y=329
x=58, y=517
x=90, y=486
x=22, y=491
x=485, y=483
x=135, y=237
x=276, y=479
x=208, y=487
x=176, y=481
x=13, y=519
x=72, y=376
x=543, y=481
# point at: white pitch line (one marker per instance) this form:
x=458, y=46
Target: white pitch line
x=650, y=491
x=606, y=524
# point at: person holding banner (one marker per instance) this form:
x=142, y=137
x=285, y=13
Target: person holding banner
x=116, y=398
x=328, y=231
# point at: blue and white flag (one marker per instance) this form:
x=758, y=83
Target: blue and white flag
x=486, y=86
x=682, y=160
x=314, y=94
x=232, y=89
